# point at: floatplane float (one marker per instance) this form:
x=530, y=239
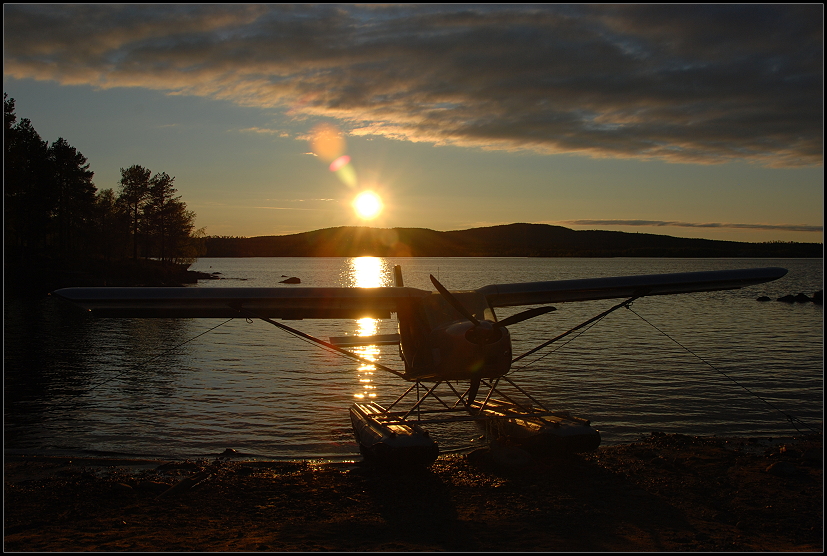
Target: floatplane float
x=451, y=340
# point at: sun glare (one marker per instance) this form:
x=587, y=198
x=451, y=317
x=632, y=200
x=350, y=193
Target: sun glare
x=367, y=205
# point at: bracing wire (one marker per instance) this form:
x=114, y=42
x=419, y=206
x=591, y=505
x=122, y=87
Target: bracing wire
x=561, y=346
x=587, y=324
x=326, y=345
x=159, y=354
x=794, y=421
x=311, y=342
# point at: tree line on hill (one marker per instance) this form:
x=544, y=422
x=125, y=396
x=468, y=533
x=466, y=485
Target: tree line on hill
x=53, y=211
x=512, y=240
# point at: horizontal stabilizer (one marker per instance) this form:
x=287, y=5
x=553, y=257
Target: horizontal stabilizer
x=355, y=341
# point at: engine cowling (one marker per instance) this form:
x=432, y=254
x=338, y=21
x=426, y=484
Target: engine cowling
x=464, y=351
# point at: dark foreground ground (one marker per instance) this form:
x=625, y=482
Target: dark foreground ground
x=666, y=492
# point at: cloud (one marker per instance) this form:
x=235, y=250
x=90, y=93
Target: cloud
x=322, y=199
x=690, y=84
x=673, y=223
x=282, y=208
x=265, y=131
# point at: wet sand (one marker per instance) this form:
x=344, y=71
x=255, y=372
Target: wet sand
x=664, y=493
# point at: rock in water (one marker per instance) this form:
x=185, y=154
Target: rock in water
x=292, y=280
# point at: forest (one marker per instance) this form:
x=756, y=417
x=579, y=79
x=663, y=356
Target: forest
x=510, y=240
x=56, y=221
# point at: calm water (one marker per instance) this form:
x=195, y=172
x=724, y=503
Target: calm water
x=76, y=384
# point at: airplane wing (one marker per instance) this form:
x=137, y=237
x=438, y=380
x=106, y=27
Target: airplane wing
x=280, y=303
x=529, y=293
x=351, y=303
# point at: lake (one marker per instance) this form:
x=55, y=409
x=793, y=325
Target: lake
x=75, y=384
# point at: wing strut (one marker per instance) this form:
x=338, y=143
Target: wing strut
x=335, y=348
x=578, y=327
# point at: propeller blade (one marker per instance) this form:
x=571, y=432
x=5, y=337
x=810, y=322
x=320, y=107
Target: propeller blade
x=524, y=315
x=455, y=303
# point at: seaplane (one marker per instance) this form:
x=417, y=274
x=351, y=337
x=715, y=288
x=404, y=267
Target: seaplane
x=456, y=353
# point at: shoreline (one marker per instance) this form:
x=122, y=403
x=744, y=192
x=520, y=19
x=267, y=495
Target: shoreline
x=39, y=276
x=108, y=459
x=665, y=492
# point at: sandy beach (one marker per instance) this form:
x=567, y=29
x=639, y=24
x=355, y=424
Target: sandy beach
x=663, y=493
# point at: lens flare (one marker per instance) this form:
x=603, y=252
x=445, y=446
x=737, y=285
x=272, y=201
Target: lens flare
x=344, y=170
x=368, y=205
x=327, y=142
x=339, y=163
x=347, y=175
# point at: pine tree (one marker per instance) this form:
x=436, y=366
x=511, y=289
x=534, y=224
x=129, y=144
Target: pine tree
x=75, y=195
x=28, y=193
x=134, y=192
x=160, y=210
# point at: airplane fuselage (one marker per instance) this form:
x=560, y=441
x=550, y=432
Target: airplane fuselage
x=436, y=342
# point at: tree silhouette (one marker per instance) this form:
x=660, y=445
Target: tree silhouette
x=28, y=192
x=160, y=210
x=75, y=194
x=159, y=219
x=52, y=209
x=134, y=192
x=110, y=227
x=9, y=117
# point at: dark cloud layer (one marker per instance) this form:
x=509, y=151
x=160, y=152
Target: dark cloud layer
x=696, y=84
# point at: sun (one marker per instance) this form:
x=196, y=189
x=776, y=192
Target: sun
x=368, y=205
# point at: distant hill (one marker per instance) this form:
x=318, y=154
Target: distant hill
x=511, y=240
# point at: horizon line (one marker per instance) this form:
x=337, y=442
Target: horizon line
x=653, y=223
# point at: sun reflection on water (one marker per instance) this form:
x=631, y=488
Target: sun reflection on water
x=367, y=272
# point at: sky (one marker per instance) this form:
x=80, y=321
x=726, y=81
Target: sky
x=685, y=120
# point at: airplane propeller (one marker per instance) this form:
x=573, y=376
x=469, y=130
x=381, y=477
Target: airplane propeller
x=524, y=315
x=508, y=321
x=484, y=330
x=455, y=303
